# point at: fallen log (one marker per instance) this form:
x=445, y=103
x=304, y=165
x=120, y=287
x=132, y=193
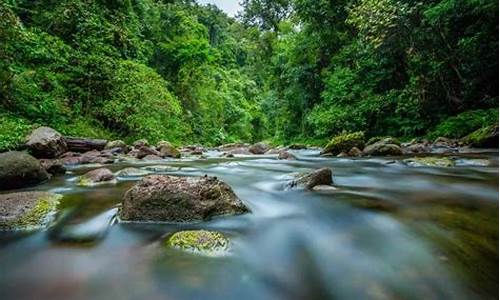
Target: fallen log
x=78, y=144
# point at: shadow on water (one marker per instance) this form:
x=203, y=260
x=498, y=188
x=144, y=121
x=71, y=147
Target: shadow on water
x=389, y=231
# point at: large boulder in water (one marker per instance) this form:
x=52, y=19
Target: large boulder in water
x=321, y=177
x=383, y=148
x=259, y=148
x=344, y=143
x=45, y=142
x=19, y=169
x=179, y=199
x=26, y=210
x=168, y=150
x=96, y=176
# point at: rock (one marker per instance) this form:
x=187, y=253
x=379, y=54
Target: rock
x=486, y=137
x=79, y=144
x=151, y=158
x=96, y=157
x=144, y=151
x=341, y=154
x=297, y=147
x=381, y=149
x=27, y=210
x=355, y=152
x=238, y=151
x=45, y=142
x=167, y=150
x=132, y=172
x=199, y=241
x=417, y=148
x=259, y=148
x=383, y=140
x=179, y=199
x=344, y=143
x=310, y=180
x=96, y=176
x=140, y=143
x=19, y=169
x=53, y=166
x=285, y=155
x=117, y=144
x=445, y=142
x=429, y=162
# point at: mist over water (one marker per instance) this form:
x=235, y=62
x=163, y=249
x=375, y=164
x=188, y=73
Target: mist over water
x=389, y=231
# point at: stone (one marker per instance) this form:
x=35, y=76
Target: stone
x=167, y=150
x=164, y=198
x=285, y=155
x=344, y=143
x=116, y=144
x=140, y=143
x=355, y=152
x=486, y=137
x=132, y=172
x=151, y=158
x=45, y=142
x=19, y=169
x=381, y=149
x=297, y=147
x=199, y=241
x=309, y=180
x=259, y=148
x=53, y=166
x=27, y=210
x=95, y=177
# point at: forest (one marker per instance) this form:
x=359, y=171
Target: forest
x=281, y=71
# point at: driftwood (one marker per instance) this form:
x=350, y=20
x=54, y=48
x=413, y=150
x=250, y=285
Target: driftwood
x=77, y=144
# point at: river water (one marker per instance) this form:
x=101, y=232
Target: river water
x=388, y=231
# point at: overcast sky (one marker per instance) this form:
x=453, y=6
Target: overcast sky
x=229, y=6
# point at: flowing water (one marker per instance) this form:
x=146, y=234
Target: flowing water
x=388, y=231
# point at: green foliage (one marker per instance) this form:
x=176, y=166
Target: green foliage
x=13, y=131
x=465, y=123
x=344, y=142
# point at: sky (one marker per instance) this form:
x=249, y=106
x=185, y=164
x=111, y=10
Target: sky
x=229, y=6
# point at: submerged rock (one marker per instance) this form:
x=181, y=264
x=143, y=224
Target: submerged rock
x=344, y=143
x=152, y=158
x=96, y=176
x=321, y=177
x=53, y=166
x=429, y=162
x=259, y=148
x=27, y=210
x=132, y=172
x=45, y=142
x=19, y=169
x=199, y=241
x=179, y=199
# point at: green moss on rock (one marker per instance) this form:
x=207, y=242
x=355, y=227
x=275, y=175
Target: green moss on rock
x=344, y=143
x=430, y=162
x=199, y=241
x=486, y=137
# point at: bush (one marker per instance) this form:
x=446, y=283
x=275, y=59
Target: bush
x=13, y=132
x=465, y=123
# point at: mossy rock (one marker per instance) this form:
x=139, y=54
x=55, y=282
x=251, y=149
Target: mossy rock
x=384, y=140
x=429, y=162
x=19, y=169
x=486, y=137
x=344, y=143
x=27, y=210
x=199, y=241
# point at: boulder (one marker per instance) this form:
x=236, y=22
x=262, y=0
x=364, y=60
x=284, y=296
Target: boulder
x=141, y=143
x=96, y=157
x=53, y=166
x=27, y=210
x=167, y=150
x=344, y=143
x=355, y=152
x=80, y=144
x=309, y=180
x=285, y=155
x=95, y=176
x=199, y=241
x=151, y=158
x=118, y=144
x=445, y=142
x=144, y=151
x=179, y=199
x=132, y=172
x=486, y=137
x=238, y=151
x=19, y=169
x=45, y=142
x=259, y=148
x=297, y=147
x=382, y=149
x=383, y=140
x=417, y=148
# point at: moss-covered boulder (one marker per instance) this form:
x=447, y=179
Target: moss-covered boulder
x=384, y=140
x=27, y=210
x=199, y=241
x=486, y=137
x=429, y=162
x=168, y=150
x=19, y=169
x=45, y=142
x=382, y=149
x=117, y=144
x=321, y=177
x=344, y=143
x=95, y=177
x=179, y=199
